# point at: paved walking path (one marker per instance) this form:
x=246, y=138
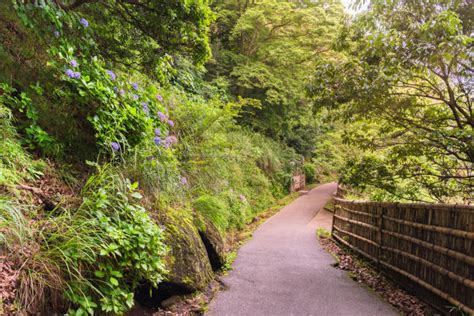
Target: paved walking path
x=283, y=270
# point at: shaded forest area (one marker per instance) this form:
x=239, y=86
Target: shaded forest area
x=138, y=136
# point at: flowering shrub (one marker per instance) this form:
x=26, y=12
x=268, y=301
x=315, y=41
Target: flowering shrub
x=121, y=112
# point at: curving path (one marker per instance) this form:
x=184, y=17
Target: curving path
x=283, y=270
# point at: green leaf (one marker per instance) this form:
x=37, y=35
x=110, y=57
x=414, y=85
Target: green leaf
x=114, y=281
x=137, y=195
x=99, y=274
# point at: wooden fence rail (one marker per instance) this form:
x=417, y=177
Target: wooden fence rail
x=429, y=244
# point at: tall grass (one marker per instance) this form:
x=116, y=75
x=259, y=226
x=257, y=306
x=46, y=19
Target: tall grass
x=41, y=252
x=15, y=163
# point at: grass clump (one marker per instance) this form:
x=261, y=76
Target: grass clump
x=214, y=210
x=15, y=163
x=323, y=233
x=309, y=172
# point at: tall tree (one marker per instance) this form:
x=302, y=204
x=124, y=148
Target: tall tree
x=412, y=70
x=265, y=50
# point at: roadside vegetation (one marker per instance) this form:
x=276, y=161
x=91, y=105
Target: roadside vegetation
x=137, y=137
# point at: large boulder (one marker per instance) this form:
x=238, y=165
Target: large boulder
x=187, y=261
x=214, y=243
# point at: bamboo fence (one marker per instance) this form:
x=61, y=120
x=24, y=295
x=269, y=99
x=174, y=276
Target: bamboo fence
x=429, y=244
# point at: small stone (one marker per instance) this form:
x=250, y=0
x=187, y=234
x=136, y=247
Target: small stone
x=166, y=304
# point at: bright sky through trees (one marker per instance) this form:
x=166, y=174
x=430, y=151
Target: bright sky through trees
x=348, y=5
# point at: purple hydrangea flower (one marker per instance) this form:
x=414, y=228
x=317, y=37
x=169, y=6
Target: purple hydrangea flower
x=115, y=146
x=170, y=140
x=170, y=123
x=145, y=107
x=72, y=74
x=73, y=63
x=157, y=131
x=122, y=92
x=162, y=116
x=56, y=34
x=135, y=97
x=157, y=140
x=184, y=181
x=84, y=22
x=159, y=98
x=69, y=73
x=111, y=75
x=135, y=85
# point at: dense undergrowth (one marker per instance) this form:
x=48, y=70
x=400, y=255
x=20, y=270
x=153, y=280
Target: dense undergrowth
x=128, y=149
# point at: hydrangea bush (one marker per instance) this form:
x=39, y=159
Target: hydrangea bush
x=121, y=111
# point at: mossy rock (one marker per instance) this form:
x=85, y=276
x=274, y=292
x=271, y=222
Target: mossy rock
x=187, y=260
x=215, y=245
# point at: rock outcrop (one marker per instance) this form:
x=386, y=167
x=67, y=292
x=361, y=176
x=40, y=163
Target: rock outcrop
x=188, y=261
x=214, y=243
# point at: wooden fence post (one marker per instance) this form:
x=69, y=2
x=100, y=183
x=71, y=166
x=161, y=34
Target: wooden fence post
x=336, y=206
x=381, y=214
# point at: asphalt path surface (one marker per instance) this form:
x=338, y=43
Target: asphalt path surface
x=283, y=270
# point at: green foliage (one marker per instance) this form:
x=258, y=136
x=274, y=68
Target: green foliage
x=14, y=162
x=118, y=109
x=135, y=33
x=309, y=172
x=94, y=256
x=266, y=50
x=36, y=137
x=132, y=247
x=331, y=151
x=322, y=233
x=142, y=36
x=45, y=251
x=240, y=211
x=218, y=156
x=156, y=170
x=413, y=86
x=228, y=261
x=214, y=210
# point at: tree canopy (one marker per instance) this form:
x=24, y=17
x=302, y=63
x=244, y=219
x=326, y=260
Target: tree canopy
x=264, y=51
x=410, y=67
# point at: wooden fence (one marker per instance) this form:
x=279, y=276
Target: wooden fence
x=429, y=244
